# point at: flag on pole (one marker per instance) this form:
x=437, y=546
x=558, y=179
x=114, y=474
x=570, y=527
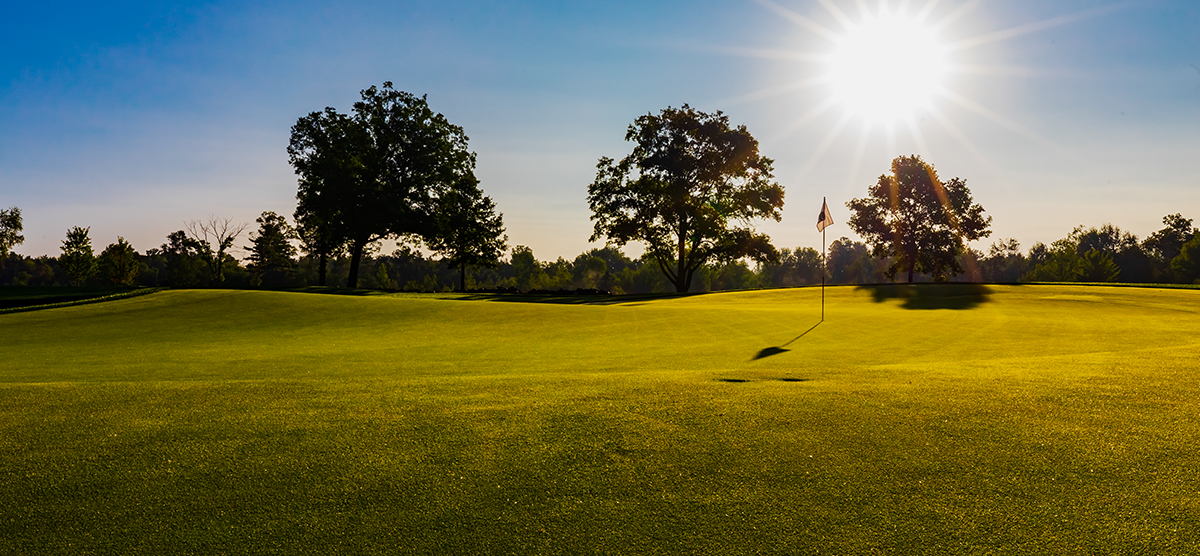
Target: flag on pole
x=824, y=220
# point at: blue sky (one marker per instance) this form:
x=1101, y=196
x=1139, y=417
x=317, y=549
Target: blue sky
x=135, y=118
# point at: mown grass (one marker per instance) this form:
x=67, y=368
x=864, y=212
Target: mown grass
x=951, y=419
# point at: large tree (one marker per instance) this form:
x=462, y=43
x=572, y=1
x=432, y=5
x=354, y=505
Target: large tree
x=469, y=230
x=78, y=260
x=10, y=231
x=687, y=192
x=376, y=173
x=920, y=222
x=326, y=151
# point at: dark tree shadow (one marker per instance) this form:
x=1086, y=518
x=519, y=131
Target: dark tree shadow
x=565, y=298
x=573, y=299
x=932, y=295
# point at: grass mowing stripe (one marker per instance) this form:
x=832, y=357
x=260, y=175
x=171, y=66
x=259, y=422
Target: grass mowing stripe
x=36, y=306
x=267, y=422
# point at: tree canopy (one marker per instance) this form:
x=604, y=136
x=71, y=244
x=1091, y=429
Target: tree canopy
x=919, y=221
x=10, y=231
x=469, y=231
x=119, y=263
x=376, y=173
x=78, y=260
x=1186, y=265
x=687, y=192
x=271, y=255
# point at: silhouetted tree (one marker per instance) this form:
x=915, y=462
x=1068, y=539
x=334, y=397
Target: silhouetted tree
x=1122, y=248
x=614, y=259
x=182, y=261
x=795, y=268
x=30, y=271
x=318, y=239
x=1096, y=266
x=78, y=260
x=690, y=176
x=733, y=275
x=922, y=223
x=1004, y=262
x=558, y=275
x=10, y=231
x=527, y=271
x=327, y=150
x=1058, y=262
x=215, y=236
x=1164, y=245
x=376, y=173
x=849, y=262
x=1186, y=265
x=469, y=230
x=272, y=258
x=119, y=263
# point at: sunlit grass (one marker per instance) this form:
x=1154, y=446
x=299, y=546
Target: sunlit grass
x=935, y=419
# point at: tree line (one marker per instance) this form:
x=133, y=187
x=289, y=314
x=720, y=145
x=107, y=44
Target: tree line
x=1088, y=254
x=688, y=192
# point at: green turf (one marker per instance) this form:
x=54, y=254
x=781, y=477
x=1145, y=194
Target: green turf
x=937, y=419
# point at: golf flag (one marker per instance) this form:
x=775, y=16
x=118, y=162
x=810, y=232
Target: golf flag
x=824, y=220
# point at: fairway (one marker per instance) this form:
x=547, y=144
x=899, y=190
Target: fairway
x=936, y=419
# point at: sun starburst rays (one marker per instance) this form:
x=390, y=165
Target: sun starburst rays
x=864, y=60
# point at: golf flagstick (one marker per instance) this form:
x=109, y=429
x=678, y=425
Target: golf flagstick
x=823, y=221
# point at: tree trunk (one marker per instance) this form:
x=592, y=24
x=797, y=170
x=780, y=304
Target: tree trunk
x=355, y=258
x=682, y=281
x=219, y=267
x=462, y=278
x=911, y=265
x=322, y=261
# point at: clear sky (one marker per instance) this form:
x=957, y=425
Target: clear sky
x=135, y=117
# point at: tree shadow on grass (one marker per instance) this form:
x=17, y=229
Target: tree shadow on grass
x=924, y=296
x=565, y=298
x=573, y=299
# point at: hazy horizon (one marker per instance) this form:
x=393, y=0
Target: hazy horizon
x=137, y=118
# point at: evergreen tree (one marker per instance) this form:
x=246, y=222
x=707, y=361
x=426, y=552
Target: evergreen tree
x=78, y=260
x=272, y=257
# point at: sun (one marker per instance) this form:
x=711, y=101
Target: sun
x=886, y=67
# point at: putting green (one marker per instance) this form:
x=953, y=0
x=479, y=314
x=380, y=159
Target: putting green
x=932, y=419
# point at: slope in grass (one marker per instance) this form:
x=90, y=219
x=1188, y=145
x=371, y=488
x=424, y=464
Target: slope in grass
x=1015, y=419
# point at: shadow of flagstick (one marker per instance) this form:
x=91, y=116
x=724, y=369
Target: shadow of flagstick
x=776, y=350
